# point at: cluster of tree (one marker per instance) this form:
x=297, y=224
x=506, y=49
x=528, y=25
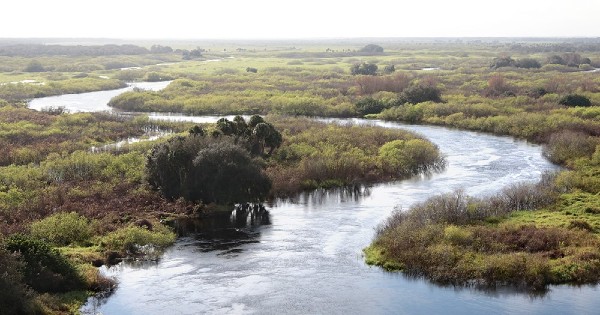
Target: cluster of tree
x=221, y=168
x=364, y=69
x=191, y=54
x=411, y=95
x=586, y=44
x=507, y=61
x=34, y=66
x=158, y=49
x=61, y=50
x=256, y=134
x=566, y=59
x=370, y=69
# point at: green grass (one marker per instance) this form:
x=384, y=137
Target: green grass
x=578, y=206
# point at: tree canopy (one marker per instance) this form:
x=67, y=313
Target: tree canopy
x=364, y=68
x=372, y=48
x=219, y=168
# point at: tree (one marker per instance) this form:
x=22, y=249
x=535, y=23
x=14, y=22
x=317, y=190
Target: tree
x=226, y=126
x=372, y=49
x=197, y=131
x=169, y=165
x=364, y=68
x=389, y=69
x=34, y=66
x=225, y=173
x=217, y=169
x=265, y=135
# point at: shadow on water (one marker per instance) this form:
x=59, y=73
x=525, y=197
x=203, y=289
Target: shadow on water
x=225, y=230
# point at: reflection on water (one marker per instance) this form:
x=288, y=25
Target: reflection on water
x=224, y=230
x=332, y=195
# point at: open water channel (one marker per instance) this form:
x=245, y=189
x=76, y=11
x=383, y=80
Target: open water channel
x=304, y=256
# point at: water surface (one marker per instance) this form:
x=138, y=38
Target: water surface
x=92, y=101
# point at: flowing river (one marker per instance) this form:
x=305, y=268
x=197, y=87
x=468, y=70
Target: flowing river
x=304, y=256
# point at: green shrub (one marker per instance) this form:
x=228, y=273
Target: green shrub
x=410, y=157
x=369, y=106
x=45, y=269
x=62, y=229
x=567, y=146
x=15, y=298
x=575, y=100
x=133, y=239
x=421, y=93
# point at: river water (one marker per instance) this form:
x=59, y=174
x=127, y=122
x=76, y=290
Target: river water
x=304, y=256
x=93, y=101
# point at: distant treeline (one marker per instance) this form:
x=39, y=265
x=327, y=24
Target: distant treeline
x=556, y=47
x=97, y=50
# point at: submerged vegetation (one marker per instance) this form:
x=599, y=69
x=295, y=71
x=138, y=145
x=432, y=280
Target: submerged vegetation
x=65, y=208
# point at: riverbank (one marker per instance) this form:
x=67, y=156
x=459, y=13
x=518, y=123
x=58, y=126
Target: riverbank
x=516, y=238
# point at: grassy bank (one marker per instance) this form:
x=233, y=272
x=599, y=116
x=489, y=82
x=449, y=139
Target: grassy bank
x=318, y=155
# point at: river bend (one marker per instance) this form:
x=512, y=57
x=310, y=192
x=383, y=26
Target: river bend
x=304, y=256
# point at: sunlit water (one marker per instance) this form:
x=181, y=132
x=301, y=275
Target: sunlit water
x=91, y=102
x=304, y=256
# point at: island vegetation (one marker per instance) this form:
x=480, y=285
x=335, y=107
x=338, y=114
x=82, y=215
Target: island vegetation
x=66, y=208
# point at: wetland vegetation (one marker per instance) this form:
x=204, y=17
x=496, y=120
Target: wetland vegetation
x=72, y=209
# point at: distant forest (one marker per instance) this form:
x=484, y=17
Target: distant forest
x=29, y=50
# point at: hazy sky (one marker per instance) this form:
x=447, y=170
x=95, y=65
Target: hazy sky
x=298, y=19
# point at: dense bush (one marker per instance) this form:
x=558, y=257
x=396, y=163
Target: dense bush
x=566, y=146
x=502, y=62
x=457, y=239
x=410, y=157
x=139, y=240
x=364, y=69
x=317, y=155
x=421, y=93
x=44, y=270
x=225, y=173
x=371, y=48
x=62, y=229
x=575, y=100
x=369, y=105
x=391, y=83
x=15, y=297
x=528, y=63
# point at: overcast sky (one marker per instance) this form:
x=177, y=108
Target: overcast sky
x=258, y=19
